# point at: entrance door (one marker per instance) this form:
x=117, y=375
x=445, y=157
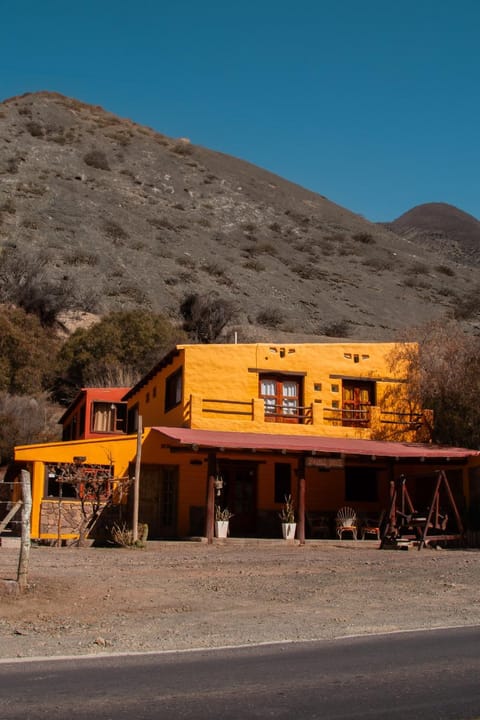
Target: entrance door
x=240, y=496
x=158, y=500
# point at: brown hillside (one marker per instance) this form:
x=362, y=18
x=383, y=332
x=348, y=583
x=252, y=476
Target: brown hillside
x=140, y=219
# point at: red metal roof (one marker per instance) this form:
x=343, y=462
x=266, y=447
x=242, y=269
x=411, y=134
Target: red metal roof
x=298, y=443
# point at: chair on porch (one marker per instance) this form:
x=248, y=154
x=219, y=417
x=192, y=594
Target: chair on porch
x=370, y=525
x=346, y=521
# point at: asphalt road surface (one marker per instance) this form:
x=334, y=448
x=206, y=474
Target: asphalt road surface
x=424, y=675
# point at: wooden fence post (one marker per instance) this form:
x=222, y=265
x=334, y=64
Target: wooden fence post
x=23, y=560
x=136, y=482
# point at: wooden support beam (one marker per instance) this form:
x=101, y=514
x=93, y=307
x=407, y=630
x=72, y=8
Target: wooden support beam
x=210, y=510
x=301, y=500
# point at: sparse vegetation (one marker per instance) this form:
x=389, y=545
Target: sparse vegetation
x=445, y=270
x=255, y=265
x=182, y=147
x=336, y=329
x=443, y=374
x=26, y=419
x=270, y=317
x=24, y=281
x=213, y=268
x=96, y=159
x=468, y=306
x=364, y=237
x=114, y=231
x=377, y=262
x=26, y=353
x=185, y=261
x=35, y=129
x=130, y=341
x=205, y=318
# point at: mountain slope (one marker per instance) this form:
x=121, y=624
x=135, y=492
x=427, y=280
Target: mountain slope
x=442, y=227
x=140, y=219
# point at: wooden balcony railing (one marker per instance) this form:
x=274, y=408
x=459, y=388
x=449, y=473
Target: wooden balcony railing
x=228, y=407
x=272, y=413
x=362, y=417
x=290, y=414
x=412, y=420
x=348, y=417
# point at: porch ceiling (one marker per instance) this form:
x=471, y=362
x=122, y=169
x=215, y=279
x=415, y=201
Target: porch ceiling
x=295, y=443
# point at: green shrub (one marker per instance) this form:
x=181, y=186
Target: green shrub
x=129, y=340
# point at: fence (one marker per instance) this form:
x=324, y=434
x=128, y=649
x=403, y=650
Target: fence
x=15, y=512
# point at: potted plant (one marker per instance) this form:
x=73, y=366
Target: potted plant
x=222, y=518
x=287, y=516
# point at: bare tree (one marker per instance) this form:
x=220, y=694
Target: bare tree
x=25, y=420
x=205, y=317
x=442, y=372
x=25, y=281
x=95, y=487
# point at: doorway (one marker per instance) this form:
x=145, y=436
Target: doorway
x=158, y=500
x=240, y=496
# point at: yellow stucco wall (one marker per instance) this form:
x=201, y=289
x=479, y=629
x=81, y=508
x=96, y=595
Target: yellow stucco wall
x=118, y=451
x=229, y=373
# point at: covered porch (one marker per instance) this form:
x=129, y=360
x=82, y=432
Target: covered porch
x=250, y=474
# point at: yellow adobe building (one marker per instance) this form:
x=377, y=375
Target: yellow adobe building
x=242, y=426
x=334, y=389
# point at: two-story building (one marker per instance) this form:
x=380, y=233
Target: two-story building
x=243, y=426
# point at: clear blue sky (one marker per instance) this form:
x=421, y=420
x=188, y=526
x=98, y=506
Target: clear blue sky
x=372, y=103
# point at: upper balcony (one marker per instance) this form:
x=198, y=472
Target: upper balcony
x=256, y=415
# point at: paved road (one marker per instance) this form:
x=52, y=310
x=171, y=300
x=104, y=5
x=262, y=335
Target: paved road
x=428, y=675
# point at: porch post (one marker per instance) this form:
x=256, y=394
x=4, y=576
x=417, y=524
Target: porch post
x=210, y=511
x=301, y=500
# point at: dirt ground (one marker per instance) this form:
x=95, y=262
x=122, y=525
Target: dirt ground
x=179, y=595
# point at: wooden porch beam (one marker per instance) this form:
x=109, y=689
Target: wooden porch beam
x=301, y=500
x=210, y=509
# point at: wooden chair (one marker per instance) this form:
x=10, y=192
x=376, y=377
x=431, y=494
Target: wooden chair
x=346, y=521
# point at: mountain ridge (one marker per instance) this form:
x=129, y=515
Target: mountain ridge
x=139, y=219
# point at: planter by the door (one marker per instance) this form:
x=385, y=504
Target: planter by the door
x=221, y=528
x=288, y=530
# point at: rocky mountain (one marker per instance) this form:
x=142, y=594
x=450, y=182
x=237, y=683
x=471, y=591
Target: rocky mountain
x=439, y=226
x=140, y=219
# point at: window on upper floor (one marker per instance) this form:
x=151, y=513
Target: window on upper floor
x=282, y=398
x=108, y=417
x=173, y=390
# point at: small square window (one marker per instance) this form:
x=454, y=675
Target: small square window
x=335, y=404
x=335, y=388
x=317, y=387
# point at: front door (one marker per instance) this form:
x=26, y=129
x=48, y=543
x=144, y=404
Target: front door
x=240, y=496
x=158, y=500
